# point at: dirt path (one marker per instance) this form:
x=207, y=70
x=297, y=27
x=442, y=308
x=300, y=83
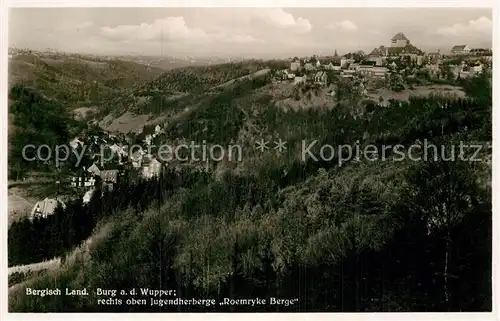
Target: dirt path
x=34, y=267
x=232, y=81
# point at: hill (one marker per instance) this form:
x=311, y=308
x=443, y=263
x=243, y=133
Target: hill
x=174, y=92
x=77, y=80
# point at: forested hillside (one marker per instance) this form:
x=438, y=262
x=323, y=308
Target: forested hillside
x=369, y=235
x=78, y=81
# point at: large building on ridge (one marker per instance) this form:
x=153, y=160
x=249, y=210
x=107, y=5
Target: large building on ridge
x=400, y=46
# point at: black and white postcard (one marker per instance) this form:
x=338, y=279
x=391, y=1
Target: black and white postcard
x=249, y=159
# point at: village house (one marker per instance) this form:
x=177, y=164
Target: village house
x=344, y=63
x=88, y=196
x=460, y=50
x=379, y=72
x=46, y=207
x=157, y=129
x=300, y=80
x=353, y=66
x=82, y=181
x=348, y=73
x=372, y=71
x=321, y=78
x=109, y=178
x=94, y=170
x=151, y=168
x=332, y=66
x=364, y=70
x=295, y=64
x=284, y=75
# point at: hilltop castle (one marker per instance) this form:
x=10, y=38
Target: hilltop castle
x=399, y=46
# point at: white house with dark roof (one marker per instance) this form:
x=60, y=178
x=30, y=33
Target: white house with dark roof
x=321, y=78
x=94, y=170
x=46, y=207
x=460, y=50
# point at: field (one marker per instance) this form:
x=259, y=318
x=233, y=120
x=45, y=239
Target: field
x=404, y=95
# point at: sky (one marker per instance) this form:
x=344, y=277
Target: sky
x=244, y=32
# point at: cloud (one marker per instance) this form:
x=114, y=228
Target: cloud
x=84, y=25
x=171, y=29
x=66, y=27
x=344, y=25
x=481, y=25
x=281, y=19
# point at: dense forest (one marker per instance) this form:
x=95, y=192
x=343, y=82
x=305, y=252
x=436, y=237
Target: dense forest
x=366, y=236
x=38, y=120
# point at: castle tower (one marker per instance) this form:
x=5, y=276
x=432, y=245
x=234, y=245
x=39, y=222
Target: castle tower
x=399, y=40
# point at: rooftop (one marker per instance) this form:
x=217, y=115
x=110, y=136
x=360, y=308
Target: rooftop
x=408, y=49
x=47, y=206
x=399, y=36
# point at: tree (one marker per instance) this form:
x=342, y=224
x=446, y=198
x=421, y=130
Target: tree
x=396, y=82
x=442, y=193
x=447, y=73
